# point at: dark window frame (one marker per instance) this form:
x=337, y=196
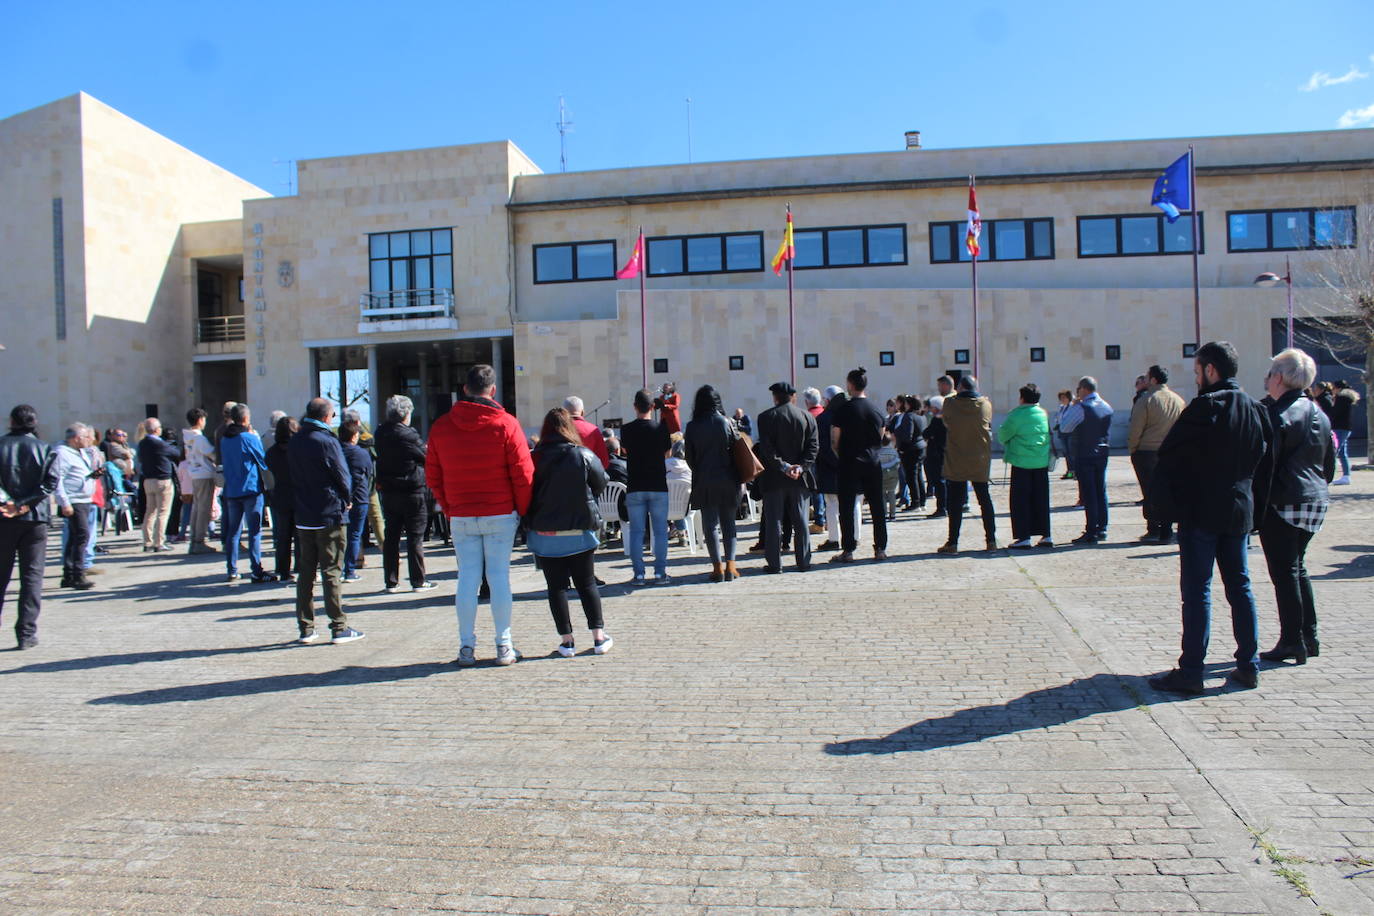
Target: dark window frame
x=825, y=246
x=1200, y=227
x=534, y=260
x=1112, y=352
x=959, y=229
x=410, y=259
x=1312, y=212
x=961, y=357
x=1037, y=354
x=887, y=358
x=737, y=363
x=660, y=365
x=811, y=360
x=724, y=254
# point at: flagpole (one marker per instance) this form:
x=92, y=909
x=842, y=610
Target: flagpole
x=643, y=316
x=973, y=261
x=1197, y=241
x=791, y=317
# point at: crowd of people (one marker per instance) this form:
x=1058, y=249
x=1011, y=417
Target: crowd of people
x=1219, y=468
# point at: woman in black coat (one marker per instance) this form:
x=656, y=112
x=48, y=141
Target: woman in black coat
x=283, y=498
x=561, y=526
x=709, y=438
x=1303, y=463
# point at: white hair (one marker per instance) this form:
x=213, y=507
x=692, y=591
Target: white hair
x=398, y=407
x=936, y=402
x=573, y=405
x=1294, y=368
x=812, y=397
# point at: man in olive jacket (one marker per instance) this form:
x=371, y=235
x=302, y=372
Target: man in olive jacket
x=1152, y=416
x=968, y=460
x=1206, y=481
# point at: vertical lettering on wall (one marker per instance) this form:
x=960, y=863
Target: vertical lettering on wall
x=259, y=299
x=59, y=270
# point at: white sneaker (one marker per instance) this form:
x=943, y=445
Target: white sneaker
x=1045, y=542
x=1342, y=481
x=1023, y=544
x=467, y=657
x=392, y=589
x=507, y=655
x=425, y=586
x=604, y=645
x=309, y=639
x=567, y=650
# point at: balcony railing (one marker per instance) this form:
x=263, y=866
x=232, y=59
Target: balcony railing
x=401, y=304
x=221, y=329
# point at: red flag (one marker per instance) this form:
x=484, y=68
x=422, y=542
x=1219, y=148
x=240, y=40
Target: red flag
x=975, y=224
x=635, y=265
x=787, y=250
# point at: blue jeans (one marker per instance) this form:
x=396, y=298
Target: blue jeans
x=1198, y=550
x=92, y=517
x=237, y=510
x=357, y=521
x=653, y=506
x=1092, y=484
x=1343, y=450
x=1067, y=447
x=484, y=541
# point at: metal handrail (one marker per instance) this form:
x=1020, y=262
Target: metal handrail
x=407, y=303
x=220, y=329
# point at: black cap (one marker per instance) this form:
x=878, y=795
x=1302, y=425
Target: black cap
x=782, y=388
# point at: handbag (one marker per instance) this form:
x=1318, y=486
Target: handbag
x=747, y=465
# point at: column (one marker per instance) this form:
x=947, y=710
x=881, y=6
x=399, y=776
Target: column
x=499, y=369
x=314, y=372
x=422, y=408
x=343, y=382
x=376, y=399
x=446, y=377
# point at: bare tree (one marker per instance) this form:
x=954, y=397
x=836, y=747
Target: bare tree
x=1340, y=319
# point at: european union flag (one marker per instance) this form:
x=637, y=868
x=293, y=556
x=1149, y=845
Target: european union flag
x=1174, y=189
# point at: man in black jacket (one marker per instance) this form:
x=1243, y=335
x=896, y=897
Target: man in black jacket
x=27, y=479
x=401, y=485
x=788, y=446
x=323, y=488
x=1206, y=481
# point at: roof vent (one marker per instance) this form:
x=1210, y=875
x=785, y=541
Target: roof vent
x=913, y=139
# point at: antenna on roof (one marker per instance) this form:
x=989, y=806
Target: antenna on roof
x=689, y=129
x=564, y=127
x=290, y=174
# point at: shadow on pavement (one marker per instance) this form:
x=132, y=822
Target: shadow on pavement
x=138, y=658
x=1078, y=699
x=277, y=683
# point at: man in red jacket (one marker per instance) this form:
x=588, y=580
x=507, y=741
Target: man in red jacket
x=591, y=434
x=478, y=465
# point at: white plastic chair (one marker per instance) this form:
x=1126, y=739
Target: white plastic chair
x=680, y=507
x=608, y=504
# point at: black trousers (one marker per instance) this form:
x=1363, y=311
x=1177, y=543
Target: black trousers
x=868, y=480
x=913, y=472
x=284, y=536
x=403, y=513
x=1030, y=502
x=1144, y=464
x=935, y=482
x=957, y=503
x=786, y=507
x=78, y=536
x=1285, y=553
x=28, y=542
x=579, y=570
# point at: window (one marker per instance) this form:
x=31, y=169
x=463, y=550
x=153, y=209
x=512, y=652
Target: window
x=1290, y=230
x=886, y=358
x=574, y=261
x=736, y=363
x=850, y=246
x=660, y=366
x=411, y=266
x=811, y=360
x=960, y=358
x=1136, y=234
x=1189, y=350
x=705, y=254
x=1037, y=354
x=1002, y=240
x=1113, y=351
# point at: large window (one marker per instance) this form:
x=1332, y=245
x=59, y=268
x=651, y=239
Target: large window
x=850, y=246
x=412, y=268
x=1136, y=234
x=574, y=261
x=1002, y=240
x=1290, y=230
x=705, y=254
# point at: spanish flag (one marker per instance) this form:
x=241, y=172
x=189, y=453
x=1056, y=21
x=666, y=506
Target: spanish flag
x=975, y=223
x=787, y=250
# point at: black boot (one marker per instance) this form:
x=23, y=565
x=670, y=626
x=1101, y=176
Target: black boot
x=1282, y=652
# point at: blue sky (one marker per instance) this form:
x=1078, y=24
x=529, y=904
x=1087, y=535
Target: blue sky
x=255, y=85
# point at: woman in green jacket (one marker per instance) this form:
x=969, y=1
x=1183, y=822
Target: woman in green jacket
x=1025, y=434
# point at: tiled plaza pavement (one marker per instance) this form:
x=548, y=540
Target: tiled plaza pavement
x=969, y=734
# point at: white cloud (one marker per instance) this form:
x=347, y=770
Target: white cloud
x=1357, y=116
x=1321, y=79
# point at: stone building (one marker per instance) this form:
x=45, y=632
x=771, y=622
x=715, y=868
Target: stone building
x=168, y=282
